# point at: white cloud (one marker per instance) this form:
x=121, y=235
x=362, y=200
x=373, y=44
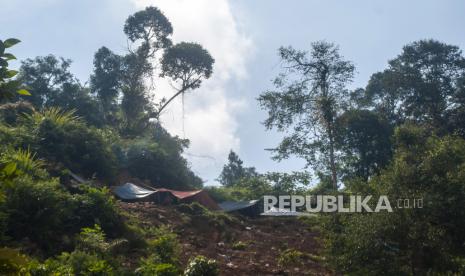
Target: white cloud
x=209, y=120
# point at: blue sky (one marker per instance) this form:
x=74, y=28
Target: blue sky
x=243, y=36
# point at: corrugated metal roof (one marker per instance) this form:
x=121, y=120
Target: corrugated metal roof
x=230, y=206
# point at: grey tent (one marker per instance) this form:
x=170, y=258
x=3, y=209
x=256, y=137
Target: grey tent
x=132, y=192
x=250, y=208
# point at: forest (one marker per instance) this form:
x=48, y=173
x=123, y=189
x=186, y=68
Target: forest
x=402, y=135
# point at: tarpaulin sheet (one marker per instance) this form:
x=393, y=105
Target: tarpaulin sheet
x=180, y=194
x=130, y=191
x=230, y=206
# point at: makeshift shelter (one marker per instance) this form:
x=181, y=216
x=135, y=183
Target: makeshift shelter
x=251, y=208
x=131, y=192
x=199, y=196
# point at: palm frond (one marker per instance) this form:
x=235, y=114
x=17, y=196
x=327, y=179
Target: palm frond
x=24, y=159
x=56, y=115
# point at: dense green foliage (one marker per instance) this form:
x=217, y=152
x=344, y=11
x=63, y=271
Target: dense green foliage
x=402, y=137
x=102, y=130
x=63, y=128
x=408, y=241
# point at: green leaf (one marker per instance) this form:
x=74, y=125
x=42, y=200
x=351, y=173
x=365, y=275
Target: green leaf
x=24, y=92
x=9, y=169
x=8, y=56
x=2, y=47
x=11, y=73
x=10, y=42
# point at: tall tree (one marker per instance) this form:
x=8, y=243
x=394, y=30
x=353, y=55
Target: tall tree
x=309, y=94
x=151, y=28
x=187, y=64
x=52, y=84
x=235, y=171
x=149, y=31
x=419, y=85
x=364, y=138
x=105, y=82
x=47, y=77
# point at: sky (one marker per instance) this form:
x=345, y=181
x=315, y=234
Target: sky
x=243, y=36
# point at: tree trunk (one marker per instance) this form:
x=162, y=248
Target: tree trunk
x=331, y=156
x=328, y=117
x=167, y=102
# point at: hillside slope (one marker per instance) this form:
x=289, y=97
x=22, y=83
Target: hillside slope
x=241, y=246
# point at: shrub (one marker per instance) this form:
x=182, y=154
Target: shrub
x=92, y=240
x=17, y=137
x=201, y=266
x=63, y=137
x=160, y=163
x=10, y=113
x=12, y=262
x=97, y=206
x=240, y=245
x=291, y=257
x=202, y=215
x=25, y=162
x=232, y=193
x=150, y=267
x=74, y=263
x=50, y=216
x=166, y=246
x=39, y=210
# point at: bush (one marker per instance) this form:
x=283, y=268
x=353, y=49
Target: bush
x=97, y=206
x=201, y=266
x=150, y=267
x=49, y=216
x=63, y=137
x=11, y=112
x=12, y=262
x=74, y=263
x=202, y=215
x=291, y=257
x=25, y=162
x=244, y=189
x=166, y=246
x=160, y=164
x=39, y=210
x=92, y=240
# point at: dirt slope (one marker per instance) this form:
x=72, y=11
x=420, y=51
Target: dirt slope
x=263, y=239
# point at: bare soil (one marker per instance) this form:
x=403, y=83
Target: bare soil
x=264, y=239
